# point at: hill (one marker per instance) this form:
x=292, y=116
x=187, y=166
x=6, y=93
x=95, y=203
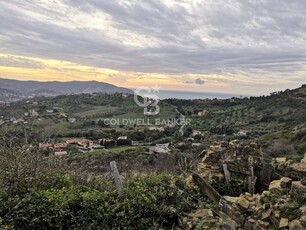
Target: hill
x=22, y=89
x=280, y=116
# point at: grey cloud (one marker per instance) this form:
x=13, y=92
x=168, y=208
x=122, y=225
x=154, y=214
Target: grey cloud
x=11, y=61
x=199, y=81
x=253, y=38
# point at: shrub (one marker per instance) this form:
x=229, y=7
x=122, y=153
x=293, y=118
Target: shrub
x=280, y=148
x=149, y=202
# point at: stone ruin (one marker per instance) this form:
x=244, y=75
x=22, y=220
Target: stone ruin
x=281, y=206
x=223, y=159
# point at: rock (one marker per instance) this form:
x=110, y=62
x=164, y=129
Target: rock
x=243, y=203
x=275, y=188
x=303, y=221
x=249, y=224
x=277, y=214
x=261, y=225
x=265, y=197
x=280, y=160
x=296, y=171
x=295, y=225
x=201, y=213
x=303, y=161
x=224, y=144
x=266, y=214
x=283, y=223
x=228, y=223
x=228, y=205
x=285, y=182
x=303, y=181
x=303, y=209
x=298, y=190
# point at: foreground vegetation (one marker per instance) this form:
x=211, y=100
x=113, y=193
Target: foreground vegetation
x=39, y=190
x=45, y=192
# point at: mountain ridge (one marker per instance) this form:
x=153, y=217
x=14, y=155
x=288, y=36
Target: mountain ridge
x=22, y=89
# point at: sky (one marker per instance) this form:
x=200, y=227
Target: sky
x=250, y=47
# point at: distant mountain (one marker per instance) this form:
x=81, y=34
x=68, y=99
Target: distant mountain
x=12, y=90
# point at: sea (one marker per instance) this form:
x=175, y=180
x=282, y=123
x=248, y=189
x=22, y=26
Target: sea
x=167, y=94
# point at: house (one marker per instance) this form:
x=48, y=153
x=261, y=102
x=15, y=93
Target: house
x=72, y=141
x=191, y=139
x=59, y=146
x=107, y=142
x=60, y=153
x=57, y=109
x=196, y=133
x=85, y=143
x=196, y=144
x=21, y=121
x=44, y=146
x=160, y=148
x=63, y=115
x=122, y=138
x=160, y=129
x=33, y=113
x=49, y=110
x=241, y=133
x=71, y=119
x=202, y=113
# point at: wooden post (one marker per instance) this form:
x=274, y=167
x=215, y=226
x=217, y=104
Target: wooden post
x=116, y=175
x=252, y=181
x=206, y=188
x=265, y=175
x=227, y=173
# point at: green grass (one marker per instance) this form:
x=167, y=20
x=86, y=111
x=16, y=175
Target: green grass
x=118, y=149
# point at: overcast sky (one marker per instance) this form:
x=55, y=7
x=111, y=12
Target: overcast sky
x=240, y=46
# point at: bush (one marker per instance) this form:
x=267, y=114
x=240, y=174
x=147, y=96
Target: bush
x=280, y=148
x=149, y=202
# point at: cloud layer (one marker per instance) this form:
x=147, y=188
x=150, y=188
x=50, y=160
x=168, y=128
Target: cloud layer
x=244, y=42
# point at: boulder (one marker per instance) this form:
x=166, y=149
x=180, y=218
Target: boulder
x=303, y=161
x=265, y=197
x=243, y=203
x=285, y=182
x=249, y=224
x=295, y=225
x=228, y=205
x=266, y=214
x=261, y=225
x=296, y=171
x=228, y=223
x=276, y=188
x=201, y=213
x=303, y=221
x=298, y=190
x=283, y=223
x=303, y=181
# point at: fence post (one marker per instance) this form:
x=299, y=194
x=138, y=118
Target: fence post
x=117, y=179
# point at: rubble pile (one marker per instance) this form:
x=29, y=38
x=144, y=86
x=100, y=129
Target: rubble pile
x=290, y=169
x=238, y=157
x=282, y=205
